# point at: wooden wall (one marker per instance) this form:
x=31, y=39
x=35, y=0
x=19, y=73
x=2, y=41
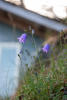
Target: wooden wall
x=23, y=24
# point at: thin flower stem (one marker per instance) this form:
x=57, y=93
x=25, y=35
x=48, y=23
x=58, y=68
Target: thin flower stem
x=20, y=53
x=36, y=48
x=60, y=40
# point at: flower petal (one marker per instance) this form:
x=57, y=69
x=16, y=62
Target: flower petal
x=46, y=48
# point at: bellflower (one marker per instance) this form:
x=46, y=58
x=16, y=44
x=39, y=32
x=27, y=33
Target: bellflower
x=22, y=38
x=46, y=48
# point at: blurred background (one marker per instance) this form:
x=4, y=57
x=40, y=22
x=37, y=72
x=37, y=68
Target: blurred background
x=13, y=25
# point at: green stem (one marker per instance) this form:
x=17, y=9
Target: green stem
x=36, y=48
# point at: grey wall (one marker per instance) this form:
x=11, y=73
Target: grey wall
x=9, y=60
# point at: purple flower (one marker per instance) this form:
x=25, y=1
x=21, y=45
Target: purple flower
x=46, y=48
x=22, y=38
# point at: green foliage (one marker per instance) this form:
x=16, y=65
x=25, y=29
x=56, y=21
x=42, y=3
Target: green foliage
x=45, y=83
x=65, y=97
x=45, y=80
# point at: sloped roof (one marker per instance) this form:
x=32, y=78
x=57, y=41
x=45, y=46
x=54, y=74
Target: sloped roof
x=55, y=9
x=32, y=17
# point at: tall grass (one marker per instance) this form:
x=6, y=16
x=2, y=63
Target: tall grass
x=46, y=80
